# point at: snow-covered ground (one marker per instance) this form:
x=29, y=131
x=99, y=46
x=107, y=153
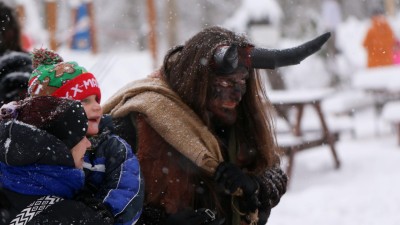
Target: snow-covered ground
x=365, y=190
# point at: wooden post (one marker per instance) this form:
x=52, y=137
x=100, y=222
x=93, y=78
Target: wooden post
x=93, y=37
x=51, y=19
x=390, y=7
x=151, y=12
x=398, y=133
x=20, y=10
x=74, y=11
x=21, y=14
x=172, y=22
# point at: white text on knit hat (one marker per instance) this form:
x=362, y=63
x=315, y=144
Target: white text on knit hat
x=80, y=87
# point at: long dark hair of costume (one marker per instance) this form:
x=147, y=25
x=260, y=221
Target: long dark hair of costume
x=188, y=70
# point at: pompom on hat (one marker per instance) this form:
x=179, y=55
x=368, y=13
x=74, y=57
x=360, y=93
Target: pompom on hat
x=54, y=77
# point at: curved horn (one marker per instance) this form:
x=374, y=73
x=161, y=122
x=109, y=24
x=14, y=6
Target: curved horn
x=226, y=59
x=272, y=58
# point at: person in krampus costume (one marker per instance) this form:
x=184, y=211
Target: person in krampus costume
x=203, y=126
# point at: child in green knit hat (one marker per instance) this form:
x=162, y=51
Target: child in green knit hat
x=52, y=76
x=113, y=176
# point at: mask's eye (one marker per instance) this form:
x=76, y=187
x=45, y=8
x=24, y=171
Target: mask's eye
x=224, y=83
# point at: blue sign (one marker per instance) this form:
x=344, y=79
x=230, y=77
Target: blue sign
x=81, y=37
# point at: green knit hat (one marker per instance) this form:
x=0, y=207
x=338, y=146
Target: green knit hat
x=54, y=77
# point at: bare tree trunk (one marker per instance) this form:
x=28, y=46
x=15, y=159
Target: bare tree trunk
x=74, y=20
x=93, y=37
x=51, y=14
x=151, y=15
x=20, y=9
x=172, y=15
x=21, y=15
x=390, y=7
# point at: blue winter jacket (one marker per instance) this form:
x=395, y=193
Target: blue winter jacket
x=113, y=174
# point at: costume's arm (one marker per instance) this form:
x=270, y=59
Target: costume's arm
x=123, y=191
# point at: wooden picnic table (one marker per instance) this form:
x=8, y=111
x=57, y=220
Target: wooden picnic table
x=298, y=100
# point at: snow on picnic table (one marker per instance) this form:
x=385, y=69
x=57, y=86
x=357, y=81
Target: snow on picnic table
x=380, y=78
x=303, y=96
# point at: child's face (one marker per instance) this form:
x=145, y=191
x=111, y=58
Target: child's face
x=79, y=150
x=94, y=112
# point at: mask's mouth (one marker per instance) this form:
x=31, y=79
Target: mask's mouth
x=229, y=105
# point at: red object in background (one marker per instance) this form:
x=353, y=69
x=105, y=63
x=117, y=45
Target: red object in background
x=26, y=42
x=379, y=42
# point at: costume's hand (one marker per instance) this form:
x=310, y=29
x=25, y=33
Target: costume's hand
x=273, y=185
x=193, y=217
x=263, y=217
x=248, y=204
x=231, y=177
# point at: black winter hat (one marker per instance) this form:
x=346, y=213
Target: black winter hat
x=15, y=70
x=63, y=118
